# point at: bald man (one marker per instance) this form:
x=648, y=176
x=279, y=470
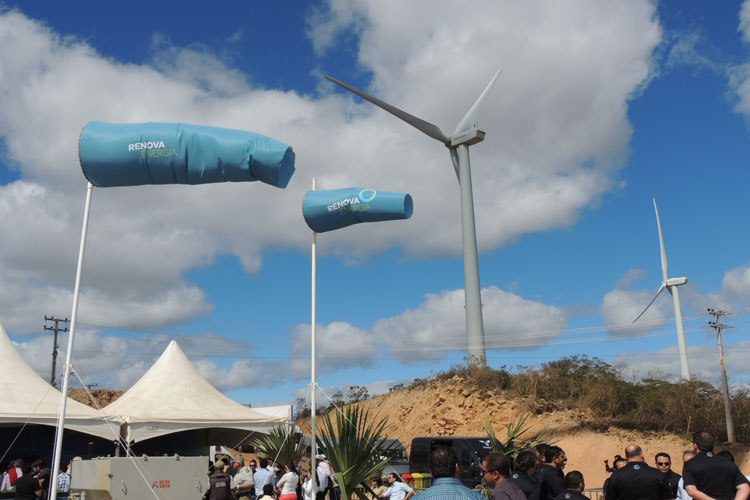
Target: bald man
x=637, y=481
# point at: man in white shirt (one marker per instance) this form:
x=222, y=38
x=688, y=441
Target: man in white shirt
x=398, y=490
x=681, y=493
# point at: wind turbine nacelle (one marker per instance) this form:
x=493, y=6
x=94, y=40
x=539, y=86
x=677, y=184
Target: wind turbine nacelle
x=337, y=208
x=468, y=137
x=134, y=154
x=676, y=281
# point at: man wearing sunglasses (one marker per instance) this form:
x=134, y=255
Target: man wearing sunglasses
x=664, y=464
x=496, y=473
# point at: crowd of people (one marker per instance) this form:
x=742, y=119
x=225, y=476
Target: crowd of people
x=264, y=480
x=31, y=479
x=538, y=475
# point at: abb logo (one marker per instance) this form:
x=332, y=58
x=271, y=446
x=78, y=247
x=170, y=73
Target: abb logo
x=161, y=483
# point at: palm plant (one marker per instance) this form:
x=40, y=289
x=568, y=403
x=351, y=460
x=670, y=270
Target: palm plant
x=355, y=448
x=516, y=438
x=281, y=445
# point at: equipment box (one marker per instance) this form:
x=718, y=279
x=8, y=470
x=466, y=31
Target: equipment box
x=139, y=478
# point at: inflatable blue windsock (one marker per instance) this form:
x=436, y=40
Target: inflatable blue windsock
x=134, y=154
x=329, y=210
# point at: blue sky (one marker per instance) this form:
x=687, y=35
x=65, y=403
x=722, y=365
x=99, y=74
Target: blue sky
x=599, y=108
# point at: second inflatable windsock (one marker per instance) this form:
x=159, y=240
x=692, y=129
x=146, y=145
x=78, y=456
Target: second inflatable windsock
x=134, y=154
x=334, y=209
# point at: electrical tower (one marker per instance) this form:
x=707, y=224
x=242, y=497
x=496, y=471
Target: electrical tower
x=57, y=330
x=718, y=326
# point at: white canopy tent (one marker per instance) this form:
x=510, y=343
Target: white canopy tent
x=173, y=397
x=29, y=399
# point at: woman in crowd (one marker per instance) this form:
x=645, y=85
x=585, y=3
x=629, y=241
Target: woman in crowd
x=287, y=485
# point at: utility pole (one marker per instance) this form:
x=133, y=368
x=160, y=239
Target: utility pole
x=55, y=329
x=718, y=326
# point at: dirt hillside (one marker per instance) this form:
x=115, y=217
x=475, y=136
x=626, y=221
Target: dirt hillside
x=103, y=396
x=449, y=409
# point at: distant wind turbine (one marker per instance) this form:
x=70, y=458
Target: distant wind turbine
x=466, y=134
x=671, y=285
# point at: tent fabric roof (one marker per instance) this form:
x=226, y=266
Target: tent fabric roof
x=32, y=400
x=172, y=396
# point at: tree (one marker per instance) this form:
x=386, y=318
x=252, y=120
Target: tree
x=355, y=447
x=282, y=444
x=357, y=393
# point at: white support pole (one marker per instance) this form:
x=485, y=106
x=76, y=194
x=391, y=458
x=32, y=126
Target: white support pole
x=313, y=383
x=681, y=344
x=69, y=353
x=477, y=353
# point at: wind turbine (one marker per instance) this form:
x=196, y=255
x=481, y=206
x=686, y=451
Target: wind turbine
x=671, y=285
x=466, y=134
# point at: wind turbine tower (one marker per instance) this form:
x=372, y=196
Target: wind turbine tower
x=466, y=134
x=671, y=285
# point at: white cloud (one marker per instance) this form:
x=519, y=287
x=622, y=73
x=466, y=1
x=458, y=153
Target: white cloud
x=621, y=305
x=438, y=325
x=739, y=82
x=703, y=361
x=118, y=362
x=739, y=75
x=745, y=21
x=338, y=345
x=734, y=294
x=557, y=127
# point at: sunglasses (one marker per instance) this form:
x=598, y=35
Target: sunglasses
x=485, y=472
x=663, y=464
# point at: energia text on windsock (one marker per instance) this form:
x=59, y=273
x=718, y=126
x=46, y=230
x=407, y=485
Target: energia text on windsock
x=133, y=154
x=326, y=210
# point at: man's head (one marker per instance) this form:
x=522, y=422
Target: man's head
x=238, y=463
x=253, y=465
x=634, y=453
x=263, y=463
x=574, y=481
x=542, y=449
x=393, y=478
x=37, y=465
x=555, y=456
x=527, y=461
x=495, y=469
x=443, y=462
x=268, y=490
x=703, y=441
x=619, y=463
x=687, y=455
x=663, y=462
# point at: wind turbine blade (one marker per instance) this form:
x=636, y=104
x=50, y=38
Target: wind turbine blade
x=468, y=119
x=664, y=263
x=421, y=125
x=454, y=159
x=661, y=288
